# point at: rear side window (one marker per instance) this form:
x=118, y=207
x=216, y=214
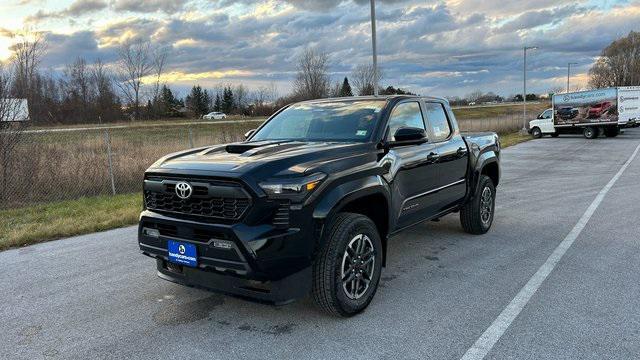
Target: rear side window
x=406, y=114
x=438, y=121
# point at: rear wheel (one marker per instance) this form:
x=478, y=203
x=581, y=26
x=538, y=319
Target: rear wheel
x=536, y=132
x=590, y=132
x=555, y=134
x=476, y=216
x=347, y=270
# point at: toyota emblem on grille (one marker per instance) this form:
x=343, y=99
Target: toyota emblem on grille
x=184, y=190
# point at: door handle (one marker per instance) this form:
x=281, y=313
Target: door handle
x=461, y=151
x=433, y=156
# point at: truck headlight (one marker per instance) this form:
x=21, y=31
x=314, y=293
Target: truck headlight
x=294, y=189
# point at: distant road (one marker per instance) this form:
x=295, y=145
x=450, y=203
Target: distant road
x=198, y=122
x=494, y=105
x=154, y=124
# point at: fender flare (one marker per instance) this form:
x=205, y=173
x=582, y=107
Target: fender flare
x=337, y=198
x=486, y=158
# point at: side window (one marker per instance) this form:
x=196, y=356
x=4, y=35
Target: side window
x=546, y=114
x=406, y=114
x=438, y=121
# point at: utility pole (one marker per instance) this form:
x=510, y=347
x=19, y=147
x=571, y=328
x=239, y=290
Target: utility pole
x=373, y=44
x=569, y=73
x=524, y=95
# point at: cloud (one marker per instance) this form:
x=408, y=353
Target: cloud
x=535, y=18
x=63, y=49
x=167, y=6
x=77, y=8
x=4, y=32
x=85, y=7
x=443, y=48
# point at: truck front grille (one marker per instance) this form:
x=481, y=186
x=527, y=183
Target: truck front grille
x=211, y=199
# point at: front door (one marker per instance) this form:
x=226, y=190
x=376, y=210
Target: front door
x=412, y=174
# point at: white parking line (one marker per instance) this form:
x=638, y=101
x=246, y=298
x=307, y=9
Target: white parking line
x=490, y=337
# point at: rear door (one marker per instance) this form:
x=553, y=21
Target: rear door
x=414, y=175
x=452, y=159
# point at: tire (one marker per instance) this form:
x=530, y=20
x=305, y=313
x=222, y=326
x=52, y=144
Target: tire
x=329, y=292
x=611, y=132
x=590, y=132
x=555, y=134
x=536, y=133
x=473, y=217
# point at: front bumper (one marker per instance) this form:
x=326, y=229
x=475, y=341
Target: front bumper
x=260, y=262
x=277, y=292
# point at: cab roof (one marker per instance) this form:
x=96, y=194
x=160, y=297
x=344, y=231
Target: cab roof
x=379, y=97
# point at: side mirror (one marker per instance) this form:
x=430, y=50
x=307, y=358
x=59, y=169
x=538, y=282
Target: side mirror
x=409, y=136
x=249, y=133
x=539, y=116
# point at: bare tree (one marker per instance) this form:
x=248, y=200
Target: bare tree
x=107, y=102
x=159, y=60
x=77, y=86
x=312, y=79
x=263, y=100
x=619, y=63
x=363, y=78
x=11, y=110
x=474, y=95
x=28, y=50
x=135, y=63
x=241, y=97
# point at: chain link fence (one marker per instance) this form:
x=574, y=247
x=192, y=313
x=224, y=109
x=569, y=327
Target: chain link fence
x=65, y=164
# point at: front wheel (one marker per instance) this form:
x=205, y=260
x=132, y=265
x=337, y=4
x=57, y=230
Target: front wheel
x=476, y=216
x=536, y=132
x=347, y=270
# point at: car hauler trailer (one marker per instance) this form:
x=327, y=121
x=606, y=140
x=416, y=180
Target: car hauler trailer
x=593, y=112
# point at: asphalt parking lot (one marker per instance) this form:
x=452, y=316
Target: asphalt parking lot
x=95, y=296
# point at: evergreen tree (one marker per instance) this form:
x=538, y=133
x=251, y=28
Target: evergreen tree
x=345, y=90
x=196, y=101
x=217, y=106
x=227, y=100
x=168, y=105
x=205, y=102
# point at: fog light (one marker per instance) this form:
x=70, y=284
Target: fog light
x=151, y=232
x=222, y=244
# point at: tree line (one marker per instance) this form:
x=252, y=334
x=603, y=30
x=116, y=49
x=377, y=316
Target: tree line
x=132, y=88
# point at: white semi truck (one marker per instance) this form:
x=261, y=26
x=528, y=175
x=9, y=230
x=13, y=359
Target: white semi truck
x=592, y=112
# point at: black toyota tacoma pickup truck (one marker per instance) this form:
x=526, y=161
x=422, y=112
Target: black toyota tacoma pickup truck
x=308, y=202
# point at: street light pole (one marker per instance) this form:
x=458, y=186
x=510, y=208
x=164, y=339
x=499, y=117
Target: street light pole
x=373, y=44
x=569, y=73
x=524, y=95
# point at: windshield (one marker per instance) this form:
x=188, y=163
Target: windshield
x=324, y=121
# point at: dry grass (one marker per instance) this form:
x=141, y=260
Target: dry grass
x=68, y=165
x=514, y=138
x=145, y=123
x=483, y=112
x=30, y=225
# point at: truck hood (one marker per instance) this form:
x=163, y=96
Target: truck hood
x=271, y=158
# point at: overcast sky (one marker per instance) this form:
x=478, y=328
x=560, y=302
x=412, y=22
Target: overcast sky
x=441, y=48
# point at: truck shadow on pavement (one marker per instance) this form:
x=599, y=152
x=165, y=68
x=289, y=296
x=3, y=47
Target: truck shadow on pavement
x=420, y=249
